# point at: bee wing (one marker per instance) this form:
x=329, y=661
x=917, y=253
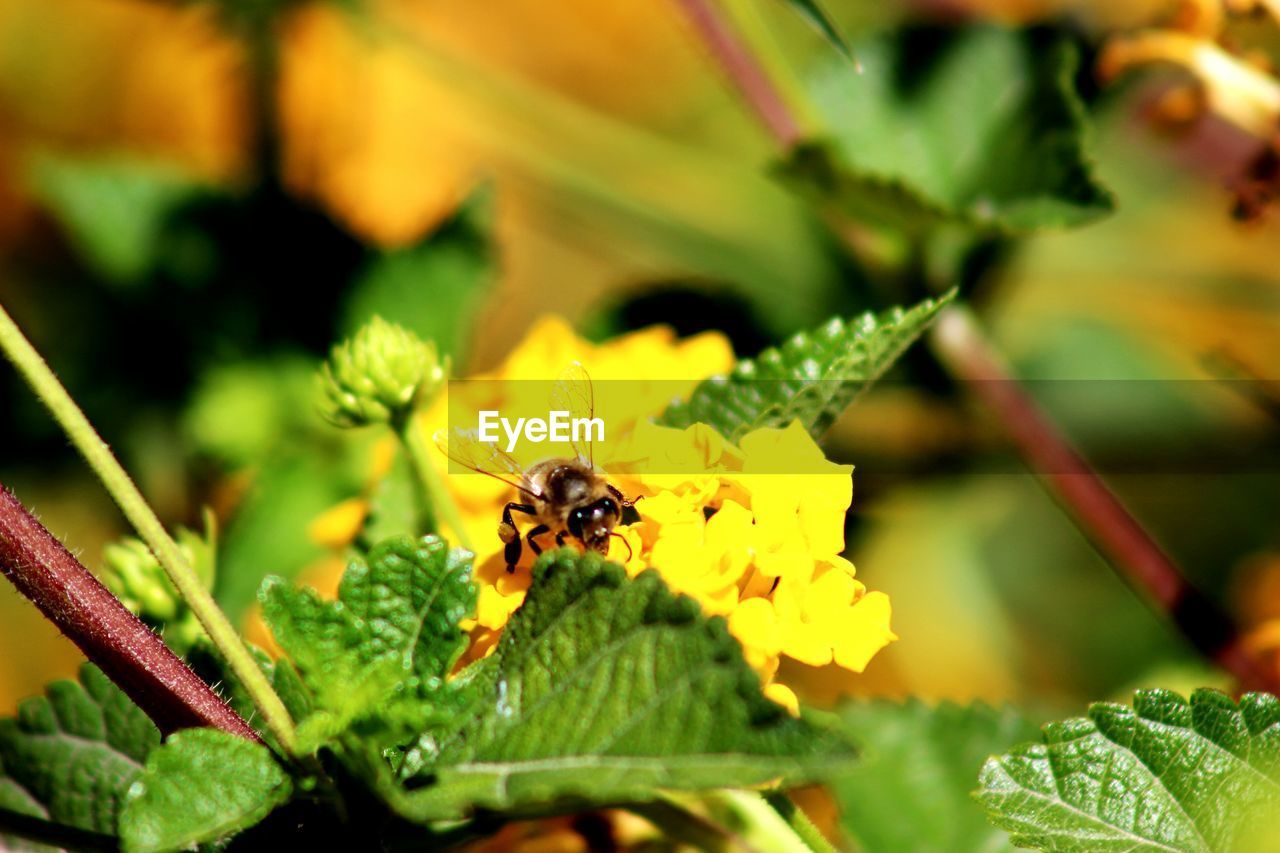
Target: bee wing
x=465, y=447
x=574, y=393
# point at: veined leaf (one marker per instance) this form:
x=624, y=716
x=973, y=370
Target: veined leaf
x=603, y=690
x=813, y=377
x=913, y=790
x=200, y=786
x=71, y=755
x=977, y=125
x=1166, y=774
x=394, y=625
x=214, y=670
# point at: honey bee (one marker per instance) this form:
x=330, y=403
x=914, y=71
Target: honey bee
x=567, y=497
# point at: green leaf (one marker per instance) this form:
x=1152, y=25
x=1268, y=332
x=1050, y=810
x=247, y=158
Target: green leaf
x=1166, y=774
x=71, y=755
x=213, y=669
x=394, y=625
x=913, y=790
x=978, y=125
x=813, y=12
x=202, y=785
x=113, y=210
x=435, y=288
x=295, y=484
x=812, y=377
x=395, y=505
x=603, y=690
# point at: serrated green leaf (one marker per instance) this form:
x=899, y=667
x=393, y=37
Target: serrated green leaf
x=812, y=378
x=603, y=690
x=214, y=670
x=978, y=125
x=200, y=786
x=71, y=755
x=393, y=629
x=1166, y=774
x=913, y=789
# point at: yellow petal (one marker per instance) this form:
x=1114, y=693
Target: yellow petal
x=784, y=696
x=866, y=631
x=337, y=526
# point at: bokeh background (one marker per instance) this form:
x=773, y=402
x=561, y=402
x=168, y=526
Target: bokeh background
x=196, y=200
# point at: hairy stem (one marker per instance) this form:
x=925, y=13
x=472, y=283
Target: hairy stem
x=1133, y=553
x=129, y=652
x=799, y=822
x=144, y=520
x=763, y=828
x=743, y=70
x=415, y=445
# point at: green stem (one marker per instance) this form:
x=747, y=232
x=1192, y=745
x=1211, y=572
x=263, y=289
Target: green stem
x=135, y=508
x=761, y=827
x=681, y=824
x=442, y=501
x=761, y=42
x=799, y=822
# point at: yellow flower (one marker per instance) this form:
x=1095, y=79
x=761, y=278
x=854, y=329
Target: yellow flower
x=753, y=532
x=1243, y=94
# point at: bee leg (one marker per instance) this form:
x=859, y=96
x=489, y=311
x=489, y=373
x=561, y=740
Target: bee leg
x=536, y=531
x=560, y=538
x=527, y=509
x=622, y=499
x=507, y=533
x=624, y=542
x=512, y=554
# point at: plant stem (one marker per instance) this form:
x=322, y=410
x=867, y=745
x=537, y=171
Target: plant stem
x=144, y=520
x=762, y=827
x=681, y=824
x=415, y=446
x=799, y=822
x=129, y=652
x=742, y=69
x=961, y=347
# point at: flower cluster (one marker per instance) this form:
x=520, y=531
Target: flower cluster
x=134, y=575
x=1236, y=86
x=753, y=532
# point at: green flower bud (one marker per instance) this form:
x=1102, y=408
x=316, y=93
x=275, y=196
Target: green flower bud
x=380, y=375
x=135, y=576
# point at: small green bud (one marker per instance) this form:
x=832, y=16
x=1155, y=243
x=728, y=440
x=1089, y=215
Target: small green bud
x=380, y=374
x=134, y=575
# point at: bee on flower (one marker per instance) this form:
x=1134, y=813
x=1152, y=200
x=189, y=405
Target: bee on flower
x=754, y=532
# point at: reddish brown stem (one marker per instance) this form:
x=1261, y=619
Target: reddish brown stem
x=742, y=70
x=124, y=648
x=1129, y=548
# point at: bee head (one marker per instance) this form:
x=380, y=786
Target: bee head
x=593, y=523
